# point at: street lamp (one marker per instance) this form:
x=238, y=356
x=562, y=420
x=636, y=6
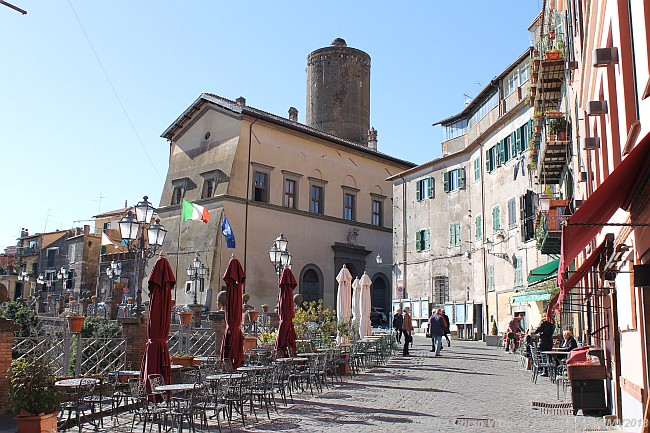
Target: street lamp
x=23, y=277
x=133, y=231
x=62, y=275
x=197, y=272
x=279, y=255
x=113, y=272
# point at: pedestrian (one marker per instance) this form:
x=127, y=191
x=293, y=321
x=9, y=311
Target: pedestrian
x=398, y=321
x=448, y=324
x=513, y=328
x=437, y=330
x=407, y=330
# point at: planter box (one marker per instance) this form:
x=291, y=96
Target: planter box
x=587, y=372
x=492, y=340
x=250, y=343
x=185, y=361
x=37, y=423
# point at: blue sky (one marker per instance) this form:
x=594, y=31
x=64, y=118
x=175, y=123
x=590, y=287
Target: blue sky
x=74, y=128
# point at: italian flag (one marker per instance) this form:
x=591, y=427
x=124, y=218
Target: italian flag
x=191, y=211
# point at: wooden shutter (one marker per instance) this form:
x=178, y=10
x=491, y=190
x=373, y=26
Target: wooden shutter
x=430, y=187
x=451, y=234
x=461, y=178
x=418, y=190
x=457, y=233
x=479, y=228
x=496, y=218
x=477, y=169
x=513, y=144
x=446, y=180
x=418, y=241
x=427, y=237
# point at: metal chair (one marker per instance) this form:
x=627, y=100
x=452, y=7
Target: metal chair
x=79, y=404
x=144, y=409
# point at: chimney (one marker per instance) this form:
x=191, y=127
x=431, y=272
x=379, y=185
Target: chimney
x=241, y=101
x=293, y=114
x=372, y=139
x=86, y=229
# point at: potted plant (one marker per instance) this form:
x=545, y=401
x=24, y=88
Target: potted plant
x=267, y=339
x=492, y=340
x=33, y=396
x=185, y=317
x=557, y=127
x=75, y=323
x=184, y=359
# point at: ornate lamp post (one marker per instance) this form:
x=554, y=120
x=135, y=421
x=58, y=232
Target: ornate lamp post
x=197, y=272
x=62, y=275
x=280, y=255
x=23, y=278
x=143, y=239
x=113, y=271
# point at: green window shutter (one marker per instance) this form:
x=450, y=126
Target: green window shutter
x=446, y=179
x=502, y=152
x=517, y=149
x=477, y=169
x=496, y=218
x=427, y=237
x=513, y=144
x=451, y=234
x=418, y=190
x=458, y=240
x=418, y=241
x=479, y=228
x=430, y=187
x=461, y=178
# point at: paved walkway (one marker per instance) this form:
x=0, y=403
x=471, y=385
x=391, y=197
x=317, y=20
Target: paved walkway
x=470, y=388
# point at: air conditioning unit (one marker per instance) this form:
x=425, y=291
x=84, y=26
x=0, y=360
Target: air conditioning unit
x=605, y=56
x=583, y=176
x=590, y=143
x=578, y=203
x=572, y=65
x=596, y=108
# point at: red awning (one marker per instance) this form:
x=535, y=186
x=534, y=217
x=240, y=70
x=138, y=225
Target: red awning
x=566, y=286
x=617, y=191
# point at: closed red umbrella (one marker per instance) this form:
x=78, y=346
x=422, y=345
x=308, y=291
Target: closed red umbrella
x=156, y=355
x=286, y=336
x=232, y=346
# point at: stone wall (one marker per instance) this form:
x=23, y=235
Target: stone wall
x=218, y=320
x=134, y=331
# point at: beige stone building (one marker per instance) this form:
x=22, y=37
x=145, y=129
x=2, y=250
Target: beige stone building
x=464, y=236
x=269, y=175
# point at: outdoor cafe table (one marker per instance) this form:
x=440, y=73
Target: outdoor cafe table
x=554, y=359
x=308, y=354
x=215, y=377
x=73, y=383
x=295, y=359
x=122, y=375
x=253, y=368
x=175, y=387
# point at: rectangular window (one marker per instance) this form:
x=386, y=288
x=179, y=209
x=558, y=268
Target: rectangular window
x=519, y=274
x=51, y=256
x=496, y=219
x=527, y=210
x=490, y=278
x=512, y=213
x=454, y=179
x=260, y=187
x=424, y=188
x=290, y=193
x=479, y=228
x=440, y=289
x=477, y=169
x=209, y=187
x=73, y=253
x=491, y=159
x=177, y=194
x=316, y=203
x=422, y=240
x=377, y=213
x=454, y=234
x=348, y=206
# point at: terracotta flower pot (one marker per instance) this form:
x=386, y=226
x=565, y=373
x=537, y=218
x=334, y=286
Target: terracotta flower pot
x=37, y=423
x=254, y=315
x=186, y=317
x=76, y=323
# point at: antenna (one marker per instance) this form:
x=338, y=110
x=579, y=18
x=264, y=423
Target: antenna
x=99, y=205
x=47, y=217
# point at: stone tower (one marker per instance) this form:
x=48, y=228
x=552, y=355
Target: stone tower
x=338, y=91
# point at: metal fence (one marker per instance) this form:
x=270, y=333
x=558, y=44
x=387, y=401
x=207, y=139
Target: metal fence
x=191, y=342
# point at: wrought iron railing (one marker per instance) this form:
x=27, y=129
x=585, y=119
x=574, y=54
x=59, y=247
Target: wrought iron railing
x=47, y=348
x=195, y=342
x=102, y=355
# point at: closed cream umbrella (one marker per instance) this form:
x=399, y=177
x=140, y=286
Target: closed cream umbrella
x=365, y=326
x=343, y=300
x=356, y=303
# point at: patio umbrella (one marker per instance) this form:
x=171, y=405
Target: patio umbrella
x=156, y=354
x=286, y=336
x=232, y=346
x=343, y=300
x=365, y=326
x=356, y=302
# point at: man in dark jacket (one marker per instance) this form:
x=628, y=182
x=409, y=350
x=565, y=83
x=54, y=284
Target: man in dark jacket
x=437, y=330
x=447, y=330
x=398, y=322
x=545, y=331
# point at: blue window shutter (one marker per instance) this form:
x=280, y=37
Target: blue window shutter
x=418, y=241
x=430, y=187
x=418, y=190
x=446, y=179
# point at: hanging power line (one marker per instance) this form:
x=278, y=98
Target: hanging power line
x=101, y=65
x=16, y=8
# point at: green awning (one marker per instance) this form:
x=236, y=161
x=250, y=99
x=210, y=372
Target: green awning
x=531, y=296
x=543, y=272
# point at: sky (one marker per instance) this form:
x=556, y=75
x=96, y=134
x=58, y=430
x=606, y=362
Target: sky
x=88, y=87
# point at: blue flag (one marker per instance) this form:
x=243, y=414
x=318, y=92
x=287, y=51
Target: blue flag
x=227, y=233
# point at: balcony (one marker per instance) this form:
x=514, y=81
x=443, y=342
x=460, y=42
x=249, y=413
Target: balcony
x=26, y=251
x=548, y=227
x=555, y=151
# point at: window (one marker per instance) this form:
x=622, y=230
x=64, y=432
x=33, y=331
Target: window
x=209, y=187
x=454, y=179
x=496, y=219
x=310, y=286
x=487, y=106
x=73, y=252
x=177, y=194
x=527, y=210
x=490, y=278
x=454, y=234
x=316, y=200
x=290, y=193
x=519, y=274
x=454, y=130
x=102, y=249
x=440, y=289
x=491, y=159
x=479, y=228
x=377, y=212
x=349, y=206
x=51, y=256
x=424, y=188
x=261, y=187
x=422, y=240
x=512, y=82
x=512, y=213
x=477, y=169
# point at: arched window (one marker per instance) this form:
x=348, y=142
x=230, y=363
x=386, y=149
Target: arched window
x=310, y=286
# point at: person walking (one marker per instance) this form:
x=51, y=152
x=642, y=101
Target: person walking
x=513, y=328
x=447, y=325
x=407, y=330
x=398, y=322
x=437, y=330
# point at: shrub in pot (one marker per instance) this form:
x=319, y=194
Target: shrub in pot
x=33, y=395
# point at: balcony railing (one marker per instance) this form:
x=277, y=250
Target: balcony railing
x=548, y=227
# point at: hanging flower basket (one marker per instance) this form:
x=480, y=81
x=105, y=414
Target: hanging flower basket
x=75, y=323
x=186, y=317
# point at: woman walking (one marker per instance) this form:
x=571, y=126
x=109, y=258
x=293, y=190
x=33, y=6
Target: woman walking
x=407, y=330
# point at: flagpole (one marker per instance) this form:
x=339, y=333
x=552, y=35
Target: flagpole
x=220, y=248
x=178, y=247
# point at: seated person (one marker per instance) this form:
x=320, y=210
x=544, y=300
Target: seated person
x=569, y=343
